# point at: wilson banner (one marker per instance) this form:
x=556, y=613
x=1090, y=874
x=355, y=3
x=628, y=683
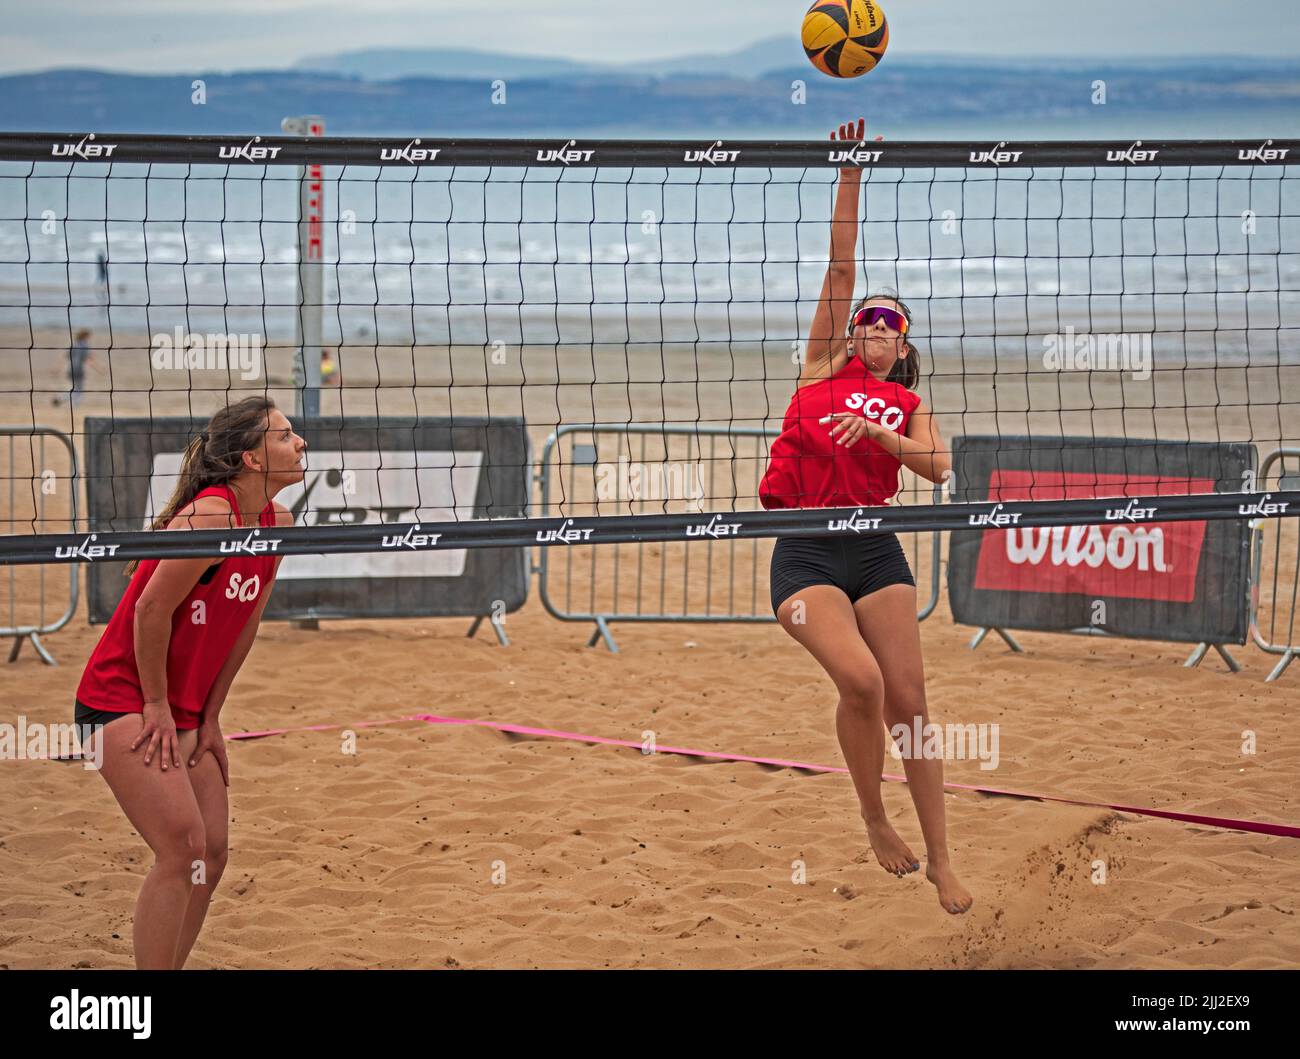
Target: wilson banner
x=1131, y=574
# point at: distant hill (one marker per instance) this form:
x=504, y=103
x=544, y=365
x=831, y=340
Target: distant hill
x=392, y=64
x=997, y=98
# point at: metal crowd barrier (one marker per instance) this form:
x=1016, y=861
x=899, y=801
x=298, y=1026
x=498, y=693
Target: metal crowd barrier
x=50, y=500
x=674, y=468
x=1273, y=601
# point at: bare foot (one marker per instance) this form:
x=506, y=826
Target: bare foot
x=890, y=849
x=953, y=896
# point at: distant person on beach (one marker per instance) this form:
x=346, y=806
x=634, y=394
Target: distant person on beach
x=329, y=370
x=79, y=357
x=102, y=261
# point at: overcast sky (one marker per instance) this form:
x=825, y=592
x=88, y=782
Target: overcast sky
x=187, y=36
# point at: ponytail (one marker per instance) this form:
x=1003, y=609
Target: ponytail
x=907, y=370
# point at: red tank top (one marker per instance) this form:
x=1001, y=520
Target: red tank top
x=806, y=466
x=201, y=638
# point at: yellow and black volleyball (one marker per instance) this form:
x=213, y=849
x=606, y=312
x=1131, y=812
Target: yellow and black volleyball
x=845, y=38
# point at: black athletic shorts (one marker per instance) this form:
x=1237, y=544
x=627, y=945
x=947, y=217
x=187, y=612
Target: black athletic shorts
x=86, y=715
x=857, y=565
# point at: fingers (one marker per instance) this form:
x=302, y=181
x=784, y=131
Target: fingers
x=218, y=751
x=847, y=130
x=848, y=427
x=167, y=740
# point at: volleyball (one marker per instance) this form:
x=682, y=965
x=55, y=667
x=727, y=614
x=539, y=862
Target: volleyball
x=845, y=38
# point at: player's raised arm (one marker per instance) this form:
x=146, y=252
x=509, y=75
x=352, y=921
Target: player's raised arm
x=826, y=348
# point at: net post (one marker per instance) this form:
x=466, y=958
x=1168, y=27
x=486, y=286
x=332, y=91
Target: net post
x=311, y=257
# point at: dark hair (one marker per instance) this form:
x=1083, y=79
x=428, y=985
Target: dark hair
x=216, y=455
x=907, y=370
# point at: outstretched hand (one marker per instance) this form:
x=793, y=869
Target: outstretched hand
x=847, y=133
x=857, y=134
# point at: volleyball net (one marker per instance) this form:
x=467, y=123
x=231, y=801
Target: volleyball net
x=494, y=343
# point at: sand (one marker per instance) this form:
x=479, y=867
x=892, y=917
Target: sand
x=442, y=846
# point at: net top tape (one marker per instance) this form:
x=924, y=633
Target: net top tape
x=1137, y=513
x=110, y=147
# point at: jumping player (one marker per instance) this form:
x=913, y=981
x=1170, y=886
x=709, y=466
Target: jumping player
x=161, y=671
x=851, y=600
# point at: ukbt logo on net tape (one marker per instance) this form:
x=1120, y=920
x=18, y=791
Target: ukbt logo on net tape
x=412, y=153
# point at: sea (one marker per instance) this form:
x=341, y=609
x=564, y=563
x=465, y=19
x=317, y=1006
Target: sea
x=1204, y=260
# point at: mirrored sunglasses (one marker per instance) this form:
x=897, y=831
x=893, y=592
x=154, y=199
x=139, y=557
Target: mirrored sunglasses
x=869, y=314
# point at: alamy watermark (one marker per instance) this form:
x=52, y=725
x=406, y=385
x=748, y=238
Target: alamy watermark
x=74, y=1011
x=182, y=351
x=1109, y=351
x=947, y=742
x=666, y=480
x=36, y=741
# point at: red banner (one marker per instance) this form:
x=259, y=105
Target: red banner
x=1130, y=555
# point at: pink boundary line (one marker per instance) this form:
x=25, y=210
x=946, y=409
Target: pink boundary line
x=1282, y=830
